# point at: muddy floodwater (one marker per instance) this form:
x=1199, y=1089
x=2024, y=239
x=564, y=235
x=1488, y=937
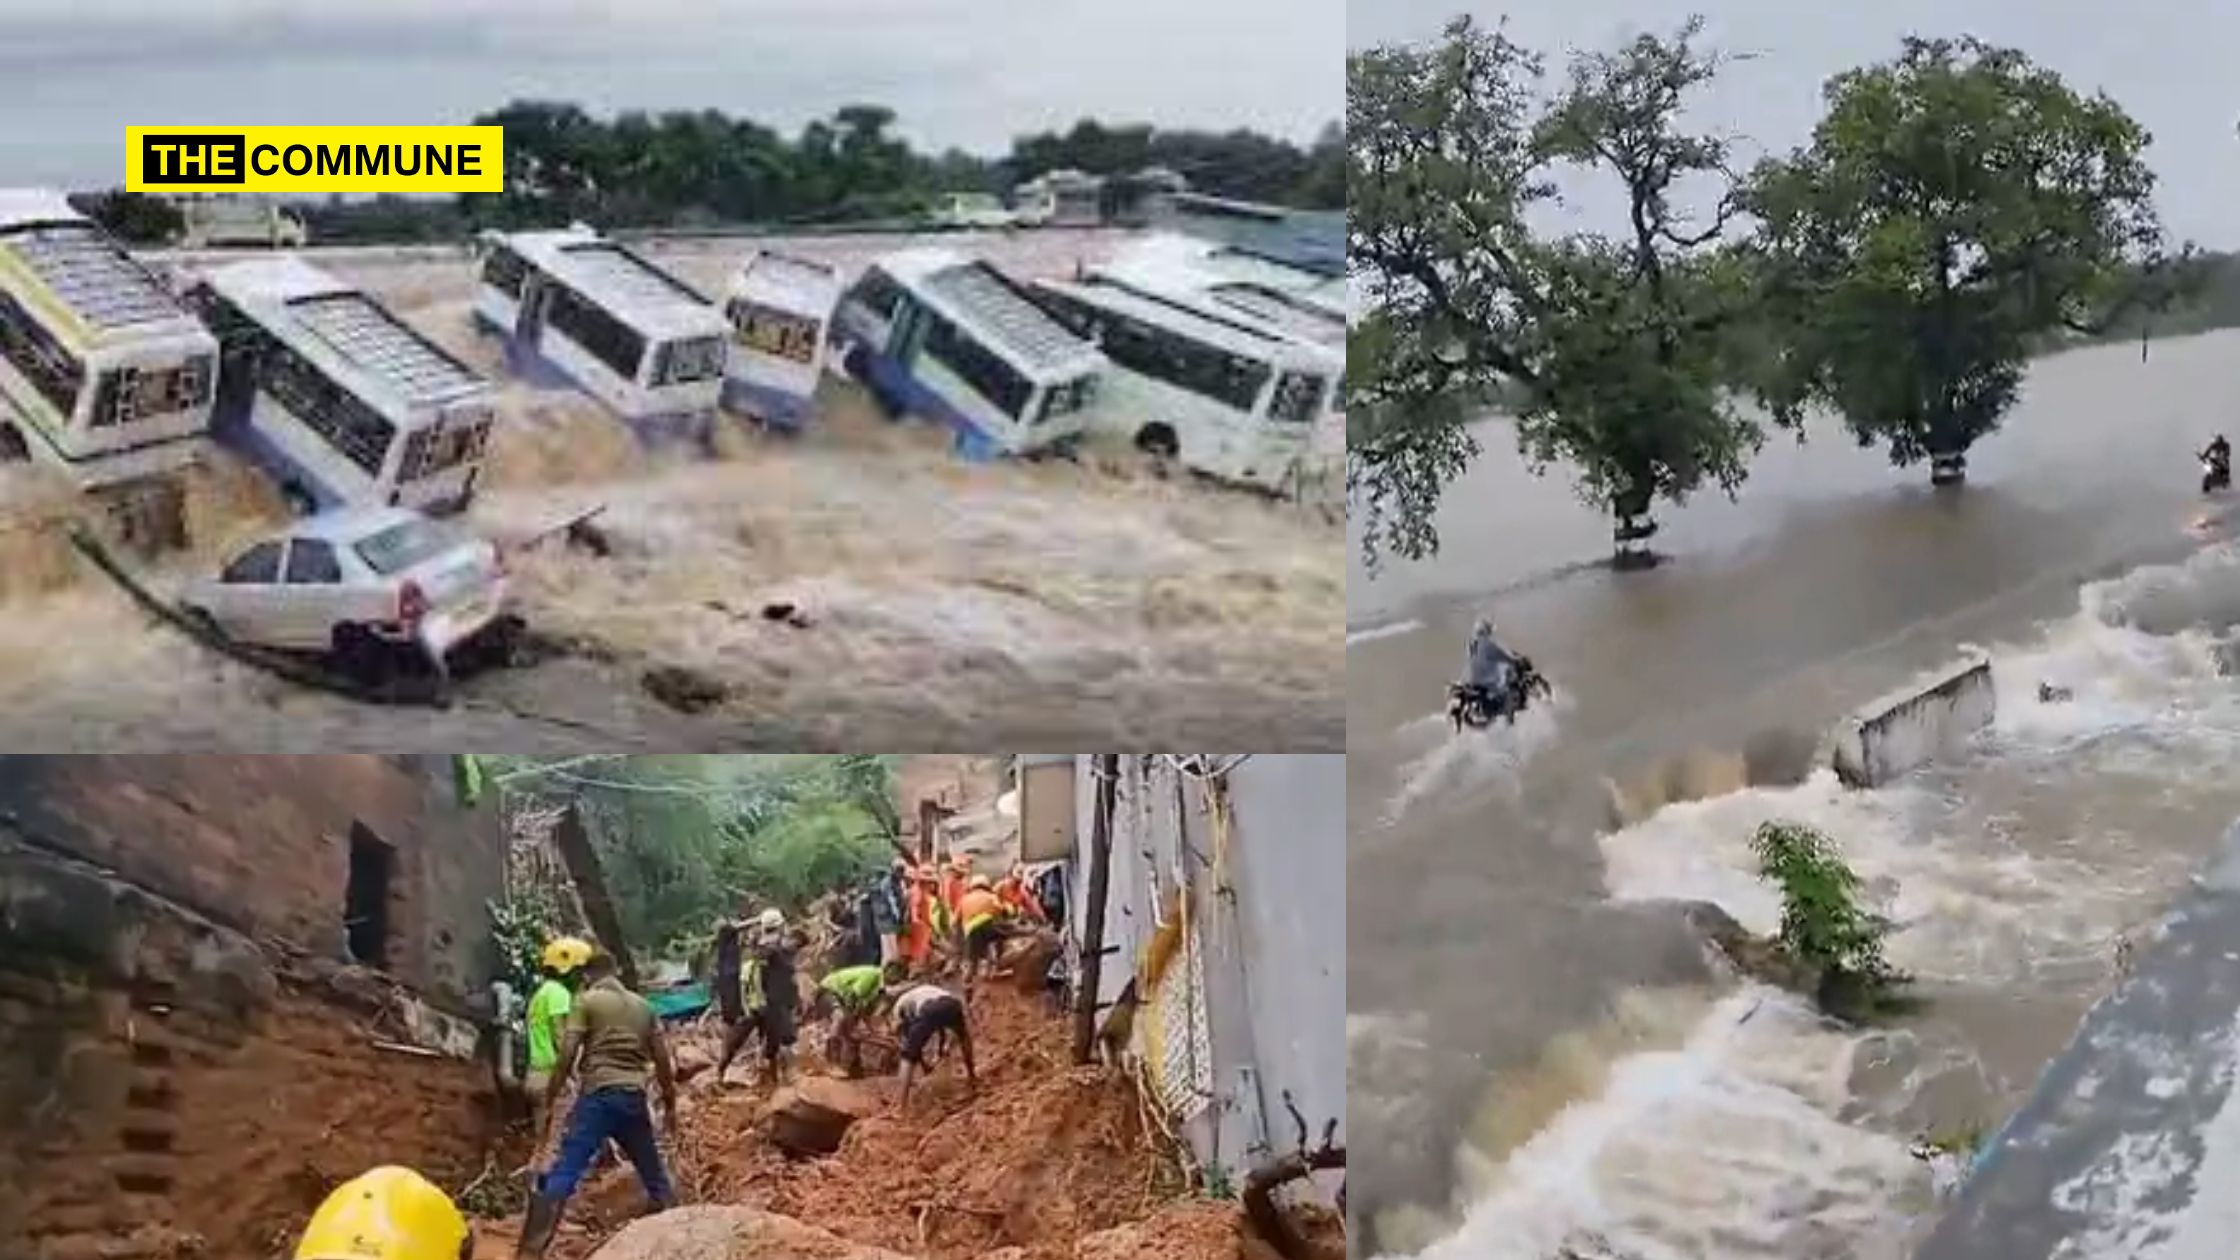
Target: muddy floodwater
x=1542, y=1056
x=1067, y=603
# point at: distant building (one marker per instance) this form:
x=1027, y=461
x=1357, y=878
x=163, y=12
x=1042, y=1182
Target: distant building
x=1226, y=904
x=197, y=955
x=1145, y=196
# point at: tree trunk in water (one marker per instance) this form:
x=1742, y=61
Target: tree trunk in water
x=574, y=843
x=1091, y=963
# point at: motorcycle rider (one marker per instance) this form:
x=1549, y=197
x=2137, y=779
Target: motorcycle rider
x=1491, y=667
x=2219, y=457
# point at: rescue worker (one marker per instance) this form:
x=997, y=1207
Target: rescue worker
x=985, y=921
x=768, y=996
x=848, y=996
x=955, y=878
x=388, y=1213
x=922, y=1012
x=1017, y=897
x=918, y=931
x=548, y=1010
x=615, y=1039
x=890, y=910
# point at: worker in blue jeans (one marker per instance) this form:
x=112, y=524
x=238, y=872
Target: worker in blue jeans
x=617, y=1038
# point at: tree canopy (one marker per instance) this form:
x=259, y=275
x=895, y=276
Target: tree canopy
x=1608, y=349
x=684, y=839
x=1955, y=206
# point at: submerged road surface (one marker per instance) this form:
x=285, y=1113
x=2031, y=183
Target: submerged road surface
x=1543, y=1055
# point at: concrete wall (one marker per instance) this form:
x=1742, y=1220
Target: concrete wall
x=2130, y=1142
x=185, y=1066
x=1270, y=911
x=1917, y=724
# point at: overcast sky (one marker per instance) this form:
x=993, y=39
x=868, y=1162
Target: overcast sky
x=972, y=73
x=2173, y=64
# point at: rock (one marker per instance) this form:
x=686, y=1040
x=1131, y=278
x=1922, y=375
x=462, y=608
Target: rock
x=1030, y=961
x=684, y=689
x=1757, y=957
x=691, y=1059
x=811, y=1116
x=730, y=1232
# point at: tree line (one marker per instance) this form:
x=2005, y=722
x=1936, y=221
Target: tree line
x=1956, y=210
x=702, y=168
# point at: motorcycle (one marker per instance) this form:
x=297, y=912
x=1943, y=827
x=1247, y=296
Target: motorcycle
x=1475, y=706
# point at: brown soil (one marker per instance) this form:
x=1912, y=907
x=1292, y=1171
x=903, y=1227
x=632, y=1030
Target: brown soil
x=1047, y=1162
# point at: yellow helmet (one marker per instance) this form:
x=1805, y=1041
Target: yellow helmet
x=566, y=953
x=387, y=1214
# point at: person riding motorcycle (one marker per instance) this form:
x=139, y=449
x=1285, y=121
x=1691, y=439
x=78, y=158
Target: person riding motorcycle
x=1491, y=667
x=389, y=1213
x=2217, y=462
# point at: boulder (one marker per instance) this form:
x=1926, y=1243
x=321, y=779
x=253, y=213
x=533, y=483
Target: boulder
x=811, y=1116
x=691, y=1059
x=730, y=1232
x=1031, y=958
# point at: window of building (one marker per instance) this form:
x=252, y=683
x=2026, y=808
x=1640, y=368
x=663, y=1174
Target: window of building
x=365, y=910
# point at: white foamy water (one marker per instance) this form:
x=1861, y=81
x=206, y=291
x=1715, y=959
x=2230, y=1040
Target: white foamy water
x=1727, y=1145
x=1458, y=759
x=2012, y=870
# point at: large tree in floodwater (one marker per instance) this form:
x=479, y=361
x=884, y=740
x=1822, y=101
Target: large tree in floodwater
x=1607, y=349
x=1956, y=209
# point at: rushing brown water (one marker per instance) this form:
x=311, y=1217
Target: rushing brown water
x=1542, y=1055
x=1069, y=604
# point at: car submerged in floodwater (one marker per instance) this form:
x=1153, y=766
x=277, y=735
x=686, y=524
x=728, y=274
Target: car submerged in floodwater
x=375, y=592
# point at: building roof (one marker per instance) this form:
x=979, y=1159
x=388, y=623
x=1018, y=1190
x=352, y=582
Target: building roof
x=975, y=294
x=621, y=281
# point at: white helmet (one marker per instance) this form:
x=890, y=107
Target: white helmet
x=1483, y=630
x=771, y=920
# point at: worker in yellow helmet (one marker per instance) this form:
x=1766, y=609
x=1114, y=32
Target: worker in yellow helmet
x=389, y=1213
x=563, y=961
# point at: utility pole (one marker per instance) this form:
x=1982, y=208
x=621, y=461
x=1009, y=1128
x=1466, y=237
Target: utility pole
x=1090, y=969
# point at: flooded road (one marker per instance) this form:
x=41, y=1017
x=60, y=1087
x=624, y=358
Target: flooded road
x=1542, y=1055
x=1048, y=602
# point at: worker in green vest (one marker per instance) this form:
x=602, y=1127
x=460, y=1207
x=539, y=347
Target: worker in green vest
x=563, y=961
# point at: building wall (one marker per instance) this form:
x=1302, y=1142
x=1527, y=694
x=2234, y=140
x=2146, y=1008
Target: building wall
x=175, y=1011
x=1270, y=913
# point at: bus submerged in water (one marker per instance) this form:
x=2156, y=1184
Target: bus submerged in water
x=339, y=401
x=938, y=335
x=779, y=307
x=610, y=323
x=103, y=371
x=1225, y=397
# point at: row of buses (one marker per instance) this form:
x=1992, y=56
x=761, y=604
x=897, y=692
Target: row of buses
x=1224, y=364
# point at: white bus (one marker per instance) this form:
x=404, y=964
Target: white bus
x=1296, y=301
x=103, y=372
x=339, y=401
x=778, y=307
x=1225, y=397
x=951, y=339
x=608, y=322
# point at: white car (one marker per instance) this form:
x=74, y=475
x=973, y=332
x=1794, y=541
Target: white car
x=361, y=584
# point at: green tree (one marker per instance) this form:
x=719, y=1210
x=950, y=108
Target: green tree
x=1823, y=926
x=1609, y=351
x=1955, y=208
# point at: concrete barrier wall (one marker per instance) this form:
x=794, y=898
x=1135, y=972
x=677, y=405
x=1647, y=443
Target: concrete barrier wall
x=1914, y=725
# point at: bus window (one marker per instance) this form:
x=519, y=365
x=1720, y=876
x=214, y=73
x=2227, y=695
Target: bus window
x=431, y=451
x=1068, y=397
x=981, y=368
x=683, y=362
x=882, y=295
x=33, y=352
x=124, y=395
x=311, y=562
x=505, y=271
x=1231, y=380
x=1298, y=397
x=774, y=332
x=604, y=337
x=358, y=431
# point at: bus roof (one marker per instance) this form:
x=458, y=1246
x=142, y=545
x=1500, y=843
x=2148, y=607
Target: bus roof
x=333, y=323
x=802, y=285
x=77, y=274
x=1294, y=301
x=630, y=288
x=1237, y=336
x=991, y=305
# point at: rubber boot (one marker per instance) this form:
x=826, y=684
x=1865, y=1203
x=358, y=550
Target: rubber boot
x=542, y=1223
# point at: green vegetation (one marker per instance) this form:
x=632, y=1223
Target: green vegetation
x=1824, y=929
x=1957, y=210
x=1955, y=207
x=685, y=839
